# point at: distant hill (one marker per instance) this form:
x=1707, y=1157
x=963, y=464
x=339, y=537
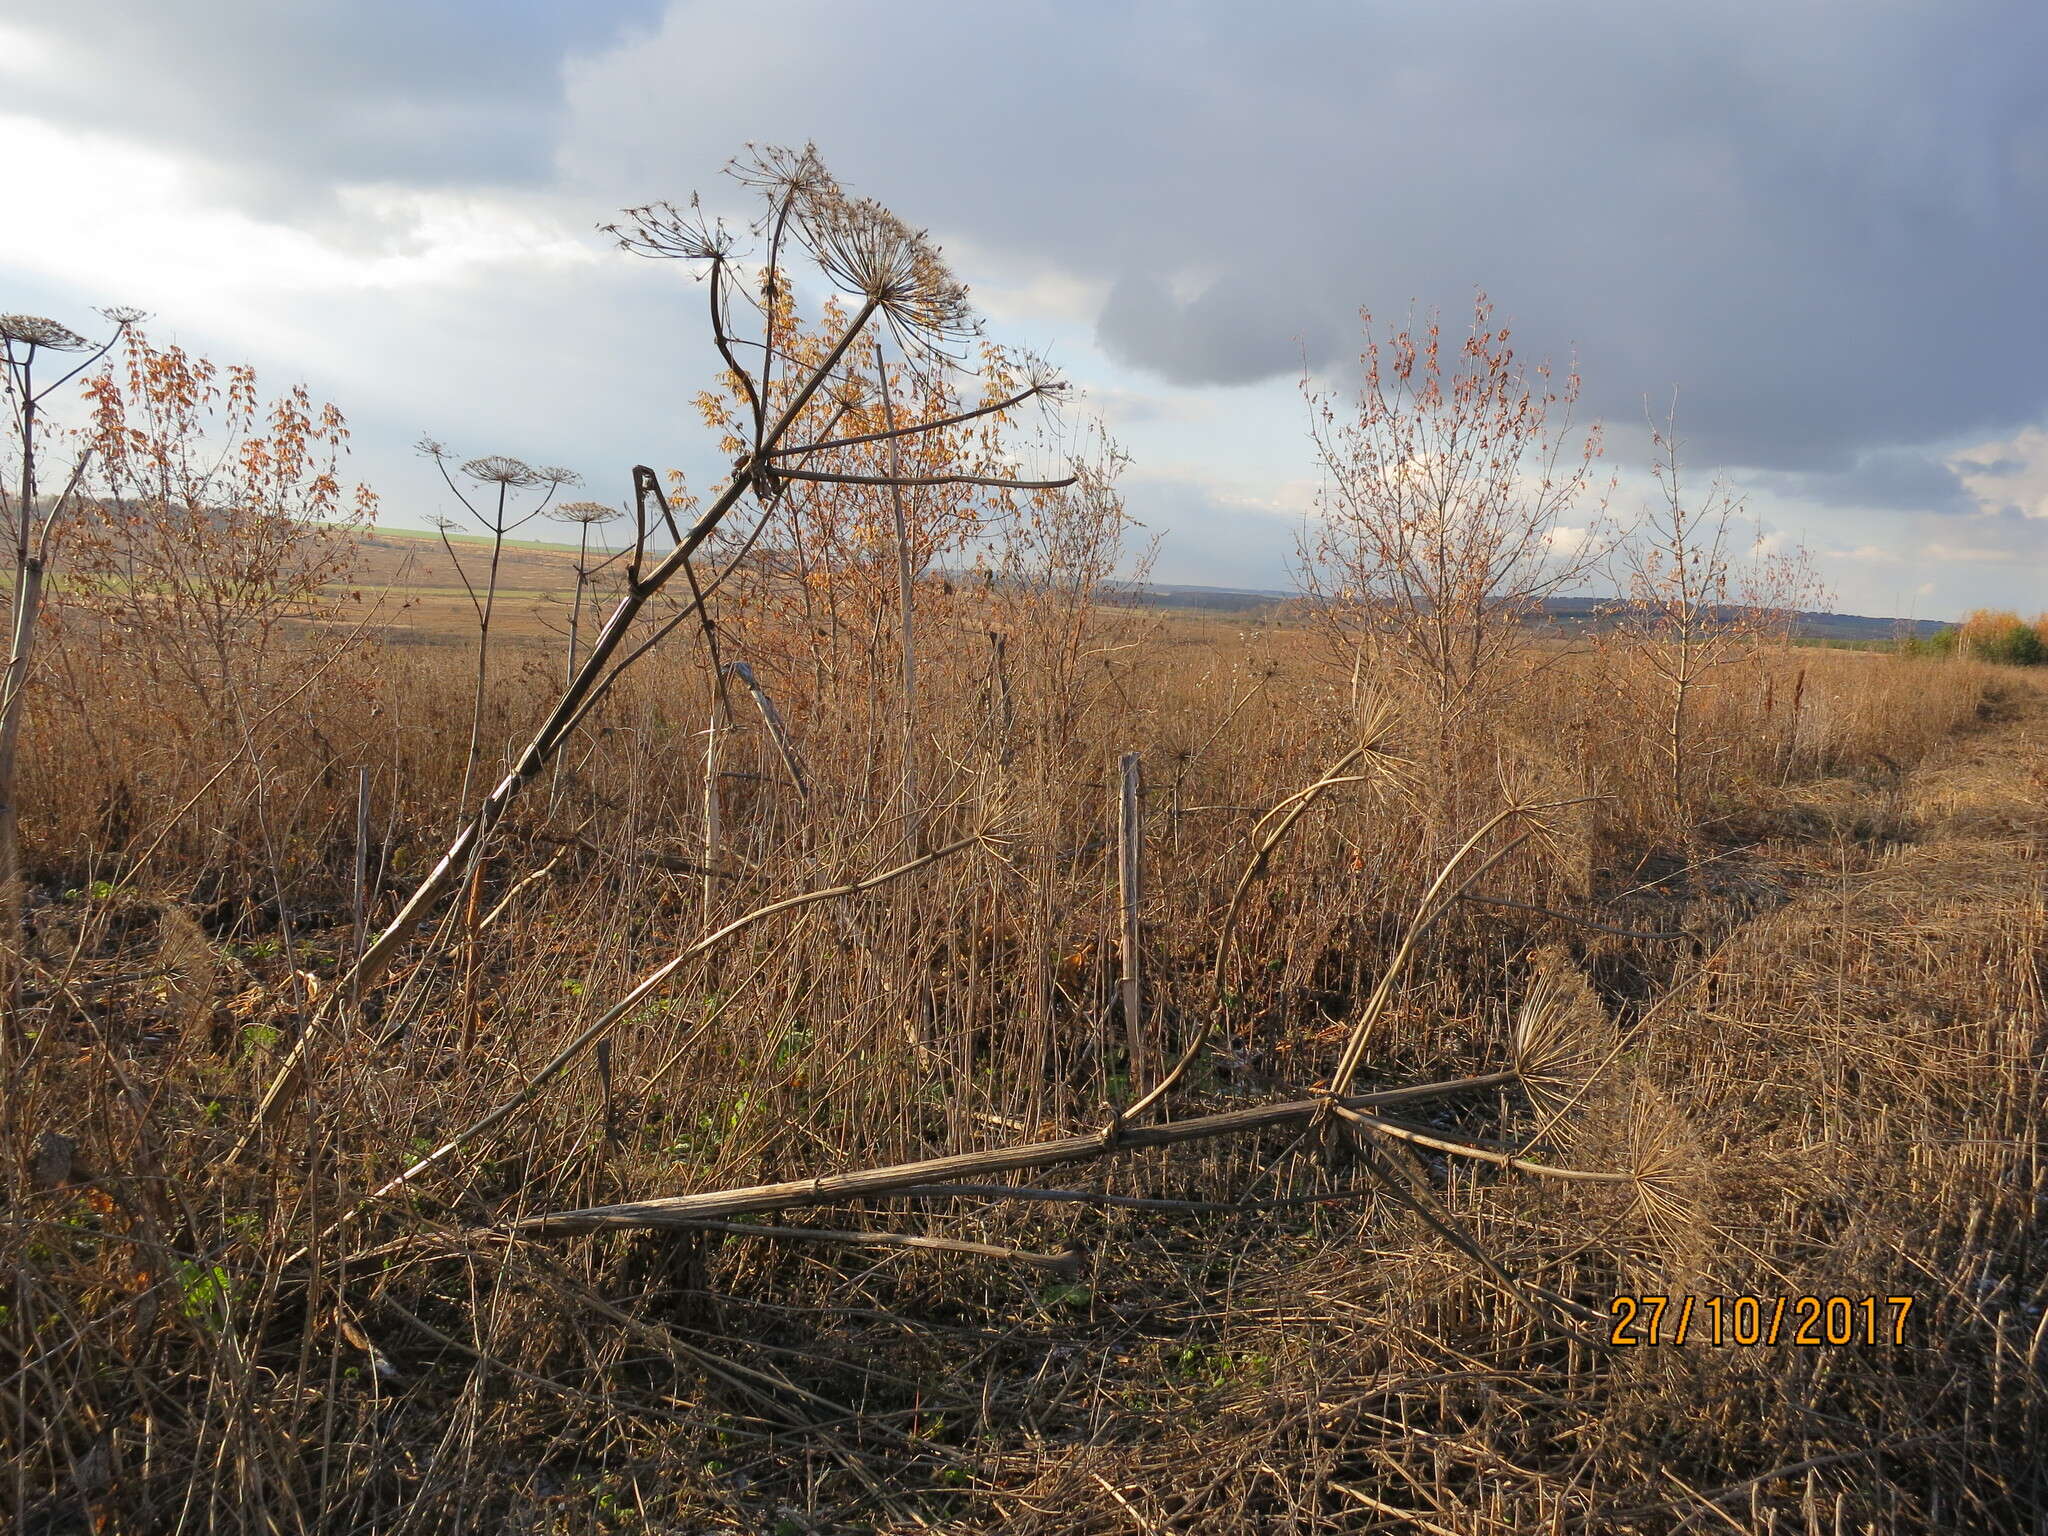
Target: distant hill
x=1578, y=613
x=1208, y=599
x=416, y=557
x=1571, y=614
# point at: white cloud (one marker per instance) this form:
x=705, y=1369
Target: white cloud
x=2007, y=472
x=106, y=211
x=26, y=53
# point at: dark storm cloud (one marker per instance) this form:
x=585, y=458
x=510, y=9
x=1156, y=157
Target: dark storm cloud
x=292, y=97
x=1826, y=223
x=1898, y=479
x=1997, y=468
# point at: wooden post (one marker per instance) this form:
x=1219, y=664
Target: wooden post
x=1129, y=881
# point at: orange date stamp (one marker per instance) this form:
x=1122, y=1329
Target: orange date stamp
x=1808, y=1321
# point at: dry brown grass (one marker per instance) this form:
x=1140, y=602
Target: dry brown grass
x=1833, y=1087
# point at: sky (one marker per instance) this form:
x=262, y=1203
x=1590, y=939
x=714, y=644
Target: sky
x=1822, y=224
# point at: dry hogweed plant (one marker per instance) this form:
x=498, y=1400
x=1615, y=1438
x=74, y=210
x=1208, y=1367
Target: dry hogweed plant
x=969, y=888
x=498, y=477
x=892, y=278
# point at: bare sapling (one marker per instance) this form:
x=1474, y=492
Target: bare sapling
x=1458, y=498
x=1700, y=597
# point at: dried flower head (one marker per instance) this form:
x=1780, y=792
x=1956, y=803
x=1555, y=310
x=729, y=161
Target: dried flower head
x=866, y=249
x=36, y=331
x=1672, y=1188
x=554, y=474
x=860, y=245
x=1562, y=1036
x=662, y=229
x=783, y=175
x=589, y=513
x=123, y=315
x=1042, y=378
x=501, y=469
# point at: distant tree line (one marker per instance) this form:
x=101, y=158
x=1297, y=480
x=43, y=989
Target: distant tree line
x=1987, y=634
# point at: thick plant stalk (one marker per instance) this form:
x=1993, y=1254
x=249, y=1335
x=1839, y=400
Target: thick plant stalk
x=1058, y=1263
x=865, y=251
x=653, y=982
x=1399, y=1132
x=827, y=1189
x=591, y=678
x=28, y=596
x=31, y=564
x=483, y=651
x=712, y=851
x=547, y=740
x=31, y=560
x=1435, y=902
x=600, y=1028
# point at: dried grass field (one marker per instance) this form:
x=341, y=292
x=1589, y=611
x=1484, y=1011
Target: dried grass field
x=826, y=1021
x=1829, y=1086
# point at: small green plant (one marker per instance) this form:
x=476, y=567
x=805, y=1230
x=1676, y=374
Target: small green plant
x=204, y=1291
x=1066, y=1293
